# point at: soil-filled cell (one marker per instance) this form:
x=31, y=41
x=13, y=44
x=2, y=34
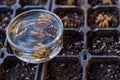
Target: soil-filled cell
x=5, y=17
x=66, y=2
x=71, y=17
x=14, y=69
x=73, y=43
x=104, y=43
x=102, y=2
x=33, y=2
x=103, y=18
x=103, y=69
x=64, y=69
x=2, y=38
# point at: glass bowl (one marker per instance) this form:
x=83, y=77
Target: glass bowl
x=35, y=36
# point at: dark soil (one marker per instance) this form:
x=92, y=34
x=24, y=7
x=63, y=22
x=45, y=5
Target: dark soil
x=64, y=69
x=2, y=38
x=5, y=17
x=21, y=10
x=112, y=12
x=101, y=2
x=66, y=2
x=9, y=49
x=104, y=43
x=7, y=2
x=104, y=70
x=71, y=17
x=14, y=69
x=33, y=2
x=72, y=43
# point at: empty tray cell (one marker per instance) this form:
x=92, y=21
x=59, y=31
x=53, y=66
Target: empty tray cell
x=66, y=2
x=103, y=17
x=64, y=69
x=73, y=43
x=7, y=2
x=33, y=2
x=2, y=38
x=71, y=17
x=104, y=43
x=102, y=2
x=26, y=9
x=5, y=17
x=14, y=69
x=103, y=69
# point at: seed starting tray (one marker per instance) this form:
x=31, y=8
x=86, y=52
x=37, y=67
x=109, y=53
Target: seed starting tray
x=91, y=48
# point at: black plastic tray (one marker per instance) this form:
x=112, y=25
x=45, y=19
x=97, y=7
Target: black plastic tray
x=86, y=53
